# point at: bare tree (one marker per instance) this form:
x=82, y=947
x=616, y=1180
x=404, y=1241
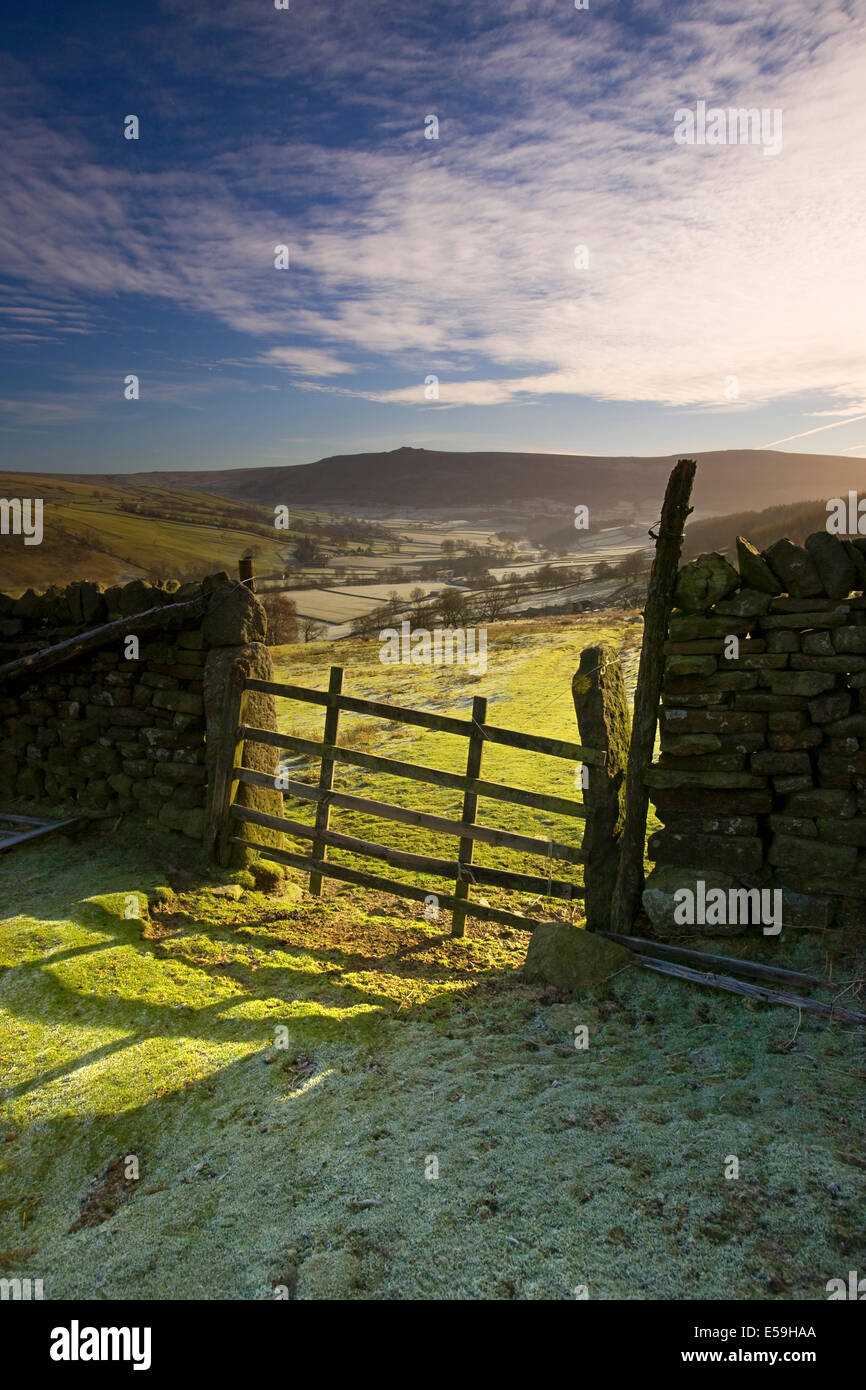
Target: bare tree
x=451, y=607
x=312, y=629
x=493, y=602
x=282, y=619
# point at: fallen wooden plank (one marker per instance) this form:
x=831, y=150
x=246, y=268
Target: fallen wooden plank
x=735, y=963
x=44, y=829
x=768, y=996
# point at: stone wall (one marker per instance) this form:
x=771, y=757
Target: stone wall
x=113, y=733
x=761, y=781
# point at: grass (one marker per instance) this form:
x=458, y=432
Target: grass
x=289, y=1072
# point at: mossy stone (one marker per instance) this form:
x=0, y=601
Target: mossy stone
x=705, y=581
x=570, y=958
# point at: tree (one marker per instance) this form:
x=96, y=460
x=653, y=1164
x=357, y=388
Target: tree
x=603, y=570
x=634, y=566
x=282, y=619
x=312, y=629
x=447, y=548
x=451, y=607
x=493, y=602
x=307, y=552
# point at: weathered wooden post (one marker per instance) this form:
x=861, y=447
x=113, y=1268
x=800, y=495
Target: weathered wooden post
x=470, y=809
x=247, y=572
x=226, y=752
x=601, y=706
x=326, y=775
x=660, y=594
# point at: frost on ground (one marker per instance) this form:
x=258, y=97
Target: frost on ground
x=427, y=1130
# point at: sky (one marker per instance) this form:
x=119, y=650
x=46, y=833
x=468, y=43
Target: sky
x=560, y=269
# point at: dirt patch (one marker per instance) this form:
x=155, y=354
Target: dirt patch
x=106, y=1194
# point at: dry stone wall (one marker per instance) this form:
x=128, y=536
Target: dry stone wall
x=761, y=781
x=111, y=732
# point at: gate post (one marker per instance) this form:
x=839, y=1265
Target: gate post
x=470, y=809
x=326, y=776
x=601, y=706
x=226, y=752
x=660, y=595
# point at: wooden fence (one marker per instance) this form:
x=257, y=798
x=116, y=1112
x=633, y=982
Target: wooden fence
x=598, y=690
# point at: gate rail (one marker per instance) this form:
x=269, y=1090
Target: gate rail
x=461, y=870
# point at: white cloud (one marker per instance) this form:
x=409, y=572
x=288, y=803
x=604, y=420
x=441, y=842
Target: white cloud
x=456, y=257
x=306, y=361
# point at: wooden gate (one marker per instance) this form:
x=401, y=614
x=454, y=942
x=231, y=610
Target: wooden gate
x=604, y=767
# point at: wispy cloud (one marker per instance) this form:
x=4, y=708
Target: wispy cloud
x=457, y=257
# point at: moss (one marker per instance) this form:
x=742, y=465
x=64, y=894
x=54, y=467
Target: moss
x=244, y=877
x=267, y=875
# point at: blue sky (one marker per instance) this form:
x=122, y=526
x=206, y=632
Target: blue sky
x=721, y=304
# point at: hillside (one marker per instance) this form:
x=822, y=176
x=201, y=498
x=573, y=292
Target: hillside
x=797, y=520
x=437, y=482
x=111, y=531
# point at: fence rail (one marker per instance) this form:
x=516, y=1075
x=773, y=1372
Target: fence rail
x=440, y=723
x=540, y=801
x=426, y=820
x=462, y=871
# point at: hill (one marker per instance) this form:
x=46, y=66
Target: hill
x=112, y=533
x=797, y=520
x=436, y=482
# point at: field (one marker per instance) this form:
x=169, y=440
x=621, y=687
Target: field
x=113, y=531
x=330, y=1098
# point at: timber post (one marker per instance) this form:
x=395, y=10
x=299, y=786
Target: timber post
x=326, y=775
x=660, y=594
x=247, y=572
x=601, y=706
x=470, y=810
x=227, y=745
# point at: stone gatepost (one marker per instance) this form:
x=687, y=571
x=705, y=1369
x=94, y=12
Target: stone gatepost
x=234, y=631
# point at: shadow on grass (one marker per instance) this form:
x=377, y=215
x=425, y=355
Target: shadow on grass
x=32, y=990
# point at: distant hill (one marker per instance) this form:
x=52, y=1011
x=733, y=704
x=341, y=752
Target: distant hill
x=797, y=520
x=436, y=482
x=110, y=534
